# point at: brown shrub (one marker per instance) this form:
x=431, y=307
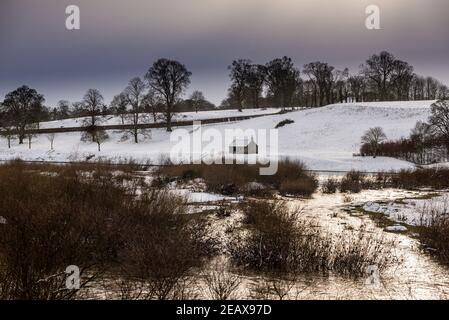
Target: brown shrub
x=220, y=282
x=352, y=182
x=420, y=178
x=273, y=231
x=55, y=217
x=280, y=240
x=234, y=178
x=52, y=222
x=330, y=186
x=434, y=230
x=299, y=187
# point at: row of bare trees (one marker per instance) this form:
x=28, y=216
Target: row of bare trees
x=382, y=77
x=157, y=93
x=279, y=77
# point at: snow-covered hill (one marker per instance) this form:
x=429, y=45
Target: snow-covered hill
x=182, y=116
x=324, y=138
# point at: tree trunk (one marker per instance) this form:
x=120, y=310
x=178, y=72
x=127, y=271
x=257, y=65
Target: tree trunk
x=169, y=129
x=136, y=123
x=256, y=101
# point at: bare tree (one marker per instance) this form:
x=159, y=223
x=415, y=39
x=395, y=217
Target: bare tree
x=93, y=103
x=255, y=82
x=21, y=105
x=78, y=109
x=418, y=85
x=30, y=136
x=443, y=92
x=168, y=78
x=8, y=134
x=431, y=88
x=320, y=74
x=379, y=69
x=63, y=110
x=337, y=86
x=282, y=79
x=439, y=120
x=6, y=129
x=92, y=133
x=99, y=136
x=152, y=103
x=239, y=74
x=197, y=99
x=51, y=139
x=373, y=137
x=385, y=72
x=357, y=86
x=422, y=137
x=119, y=106
x=309, y=89
x=135, y=94
x=402, y=79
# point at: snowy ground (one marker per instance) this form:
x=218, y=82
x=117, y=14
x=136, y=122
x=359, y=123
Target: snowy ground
x=324, y=138
x=415, y=276
x=411, y=211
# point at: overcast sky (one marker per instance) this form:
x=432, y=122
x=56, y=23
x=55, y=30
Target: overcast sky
x=120, y=39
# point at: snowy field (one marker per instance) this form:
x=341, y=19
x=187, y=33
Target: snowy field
x=324, y=138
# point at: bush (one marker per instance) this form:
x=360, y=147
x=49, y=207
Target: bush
x=220, y=283
x=431, y=178
x=55, y=216
x=434, y=230
x=279, y=240
x=330, y=186
x=355, y=181
x=284, y=123
x=355, y=251
x=272, y=239
x=53, y=221
x=161, y=248
x=235, y=178
x=352, y=182
x=299, y=187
